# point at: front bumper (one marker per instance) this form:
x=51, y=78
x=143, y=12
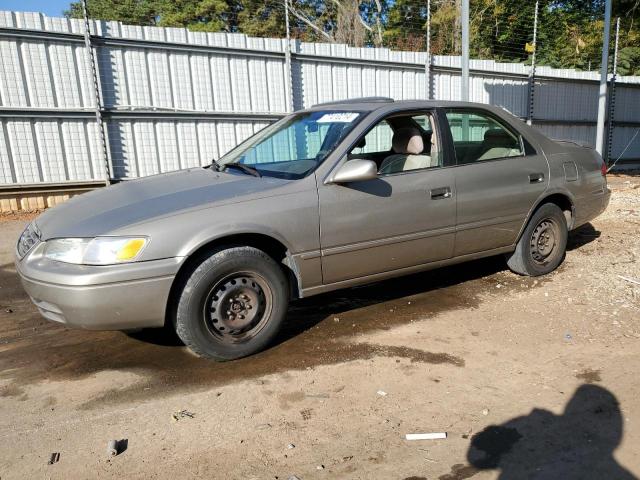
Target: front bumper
x=115, y=297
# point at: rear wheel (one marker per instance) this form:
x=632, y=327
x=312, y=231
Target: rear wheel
x=543, y=243
x=233, y=304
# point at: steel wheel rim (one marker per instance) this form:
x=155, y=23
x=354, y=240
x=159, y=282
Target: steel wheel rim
x=544, y=240
x=238, y=307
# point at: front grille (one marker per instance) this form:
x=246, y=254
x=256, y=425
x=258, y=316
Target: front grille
x=29, y=238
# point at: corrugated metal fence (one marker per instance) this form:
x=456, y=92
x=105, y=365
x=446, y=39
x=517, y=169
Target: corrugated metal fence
x=172, y=98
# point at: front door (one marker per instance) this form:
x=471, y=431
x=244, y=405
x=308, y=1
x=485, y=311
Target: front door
x=498, y=177
x=403, y=218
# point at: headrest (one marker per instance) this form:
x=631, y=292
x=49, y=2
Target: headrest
x=496, y=137
x=408, y=141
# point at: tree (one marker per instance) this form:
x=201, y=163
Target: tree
x=629, y=61
x=201, y=15
x=135, y=12
x=569, y=31
x=261, y=18
x=353, y=22
x=406, y=27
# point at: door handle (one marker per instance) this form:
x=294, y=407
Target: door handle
x=440, y=193
x=536, y=177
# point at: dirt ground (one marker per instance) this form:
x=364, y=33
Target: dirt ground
x=529, y=378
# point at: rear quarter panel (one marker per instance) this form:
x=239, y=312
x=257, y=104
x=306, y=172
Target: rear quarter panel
x=576, y=171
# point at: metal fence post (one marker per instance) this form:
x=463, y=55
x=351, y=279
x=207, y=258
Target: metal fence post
x=612, y=95
x=427, y=65
x=96, y=92
x=464, y=84
x=287, y=60
x=532, y=70
x=604, y=68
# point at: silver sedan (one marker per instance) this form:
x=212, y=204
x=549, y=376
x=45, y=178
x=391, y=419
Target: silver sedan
x=338, y=195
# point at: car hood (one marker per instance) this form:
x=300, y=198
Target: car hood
x=105, y=210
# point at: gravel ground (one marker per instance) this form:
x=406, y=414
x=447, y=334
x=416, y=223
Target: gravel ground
x=529, y=378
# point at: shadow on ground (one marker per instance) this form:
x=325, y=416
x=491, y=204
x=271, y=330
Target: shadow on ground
x=582, y=236
x=575, y=445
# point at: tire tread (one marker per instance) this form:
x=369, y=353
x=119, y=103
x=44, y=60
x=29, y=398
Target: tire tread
x=518, y=260
x=210, y=262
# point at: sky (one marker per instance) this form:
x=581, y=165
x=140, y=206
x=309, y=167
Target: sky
x=52, y=8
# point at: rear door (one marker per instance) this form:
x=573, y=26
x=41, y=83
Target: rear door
x=498, y=175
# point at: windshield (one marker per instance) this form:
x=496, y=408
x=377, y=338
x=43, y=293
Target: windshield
x=294, y=146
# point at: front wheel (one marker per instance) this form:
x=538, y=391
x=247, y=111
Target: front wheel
x=233, y=304
x=543, y=243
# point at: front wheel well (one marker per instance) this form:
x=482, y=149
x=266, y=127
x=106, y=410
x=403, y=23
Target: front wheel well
x=269, y=245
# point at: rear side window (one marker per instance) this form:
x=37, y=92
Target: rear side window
x=478, y=137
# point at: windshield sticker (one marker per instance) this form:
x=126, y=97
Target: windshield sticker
x=341, y=117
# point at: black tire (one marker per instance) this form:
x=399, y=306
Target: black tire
x=543, y=243
x=233, y=304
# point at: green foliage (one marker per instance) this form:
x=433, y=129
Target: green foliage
x=629, y=61
x=136, y=12
x=501, y=30
x=261, y=18
x=406, y=25
x=203, y=15
x=569, y=31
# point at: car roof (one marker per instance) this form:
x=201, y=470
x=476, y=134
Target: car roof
x=370, y=104
x=382, y=106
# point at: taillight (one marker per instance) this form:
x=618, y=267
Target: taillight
x=603, y=169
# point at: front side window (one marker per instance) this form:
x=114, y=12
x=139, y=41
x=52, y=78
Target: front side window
x=377, y=140
x=294, y=146
x=478, y=137
x=401, y=143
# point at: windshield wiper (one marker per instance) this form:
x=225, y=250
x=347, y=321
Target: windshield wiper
x=244, y=168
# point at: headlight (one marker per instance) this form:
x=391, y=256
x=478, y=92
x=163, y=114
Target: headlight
x=29, y=238
x=95, y=251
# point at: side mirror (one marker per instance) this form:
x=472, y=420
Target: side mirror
x=356, y=170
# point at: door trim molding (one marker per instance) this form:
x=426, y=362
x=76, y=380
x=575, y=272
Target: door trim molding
x=326, y=252
x=519, y=217
x=308, y=292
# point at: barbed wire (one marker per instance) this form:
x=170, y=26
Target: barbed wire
x=500, y=30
